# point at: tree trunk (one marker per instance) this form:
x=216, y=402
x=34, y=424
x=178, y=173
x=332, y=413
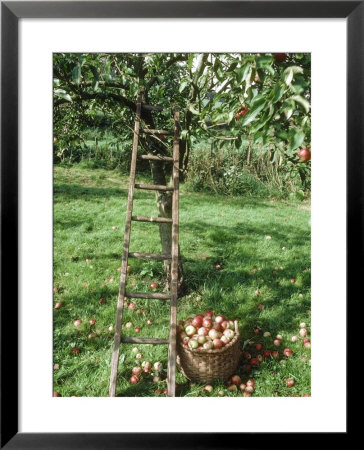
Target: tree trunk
x=164, y=206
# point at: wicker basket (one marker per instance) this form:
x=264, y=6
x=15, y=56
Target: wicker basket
x=209, y=365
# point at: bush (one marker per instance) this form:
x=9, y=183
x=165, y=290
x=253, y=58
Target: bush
x=222, y=172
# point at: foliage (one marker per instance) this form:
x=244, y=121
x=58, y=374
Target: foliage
x=100, y=90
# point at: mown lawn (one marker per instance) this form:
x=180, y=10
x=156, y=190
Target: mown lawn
x=260, y=244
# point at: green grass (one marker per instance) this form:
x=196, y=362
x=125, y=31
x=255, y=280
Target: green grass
x=214, y=230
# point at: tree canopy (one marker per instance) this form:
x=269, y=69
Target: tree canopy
x=225, y=97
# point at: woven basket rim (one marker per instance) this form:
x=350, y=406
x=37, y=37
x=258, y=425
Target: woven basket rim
x=214, y=351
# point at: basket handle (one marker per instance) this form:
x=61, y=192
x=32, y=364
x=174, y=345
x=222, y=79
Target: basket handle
x=236, y=326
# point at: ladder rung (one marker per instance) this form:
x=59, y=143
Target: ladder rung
x=135, y=340
x=156, y=158
x=157, y=256
x=152, y=108
x=151, y=219
x=157, y=295
x=151, y=131
x=154, y=187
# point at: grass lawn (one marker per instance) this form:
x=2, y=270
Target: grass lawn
x=260, y=244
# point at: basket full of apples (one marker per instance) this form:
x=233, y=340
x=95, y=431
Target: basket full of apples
x=208, y=347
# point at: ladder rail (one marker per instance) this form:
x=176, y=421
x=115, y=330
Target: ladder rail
x=174, y=266
x=124, y=264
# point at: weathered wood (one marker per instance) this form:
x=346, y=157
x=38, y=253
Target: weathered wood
x=156, y=132
x=157, y=256
x=154, y=187
x=124, y=263
x=174, y=266
x=156, y=158
x=156, y=295
x=151, y=108
x=135, y=340
x=152, y=219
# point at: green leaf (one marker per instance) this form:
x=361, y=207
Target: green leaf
x=183, y=85
x=302, y=101
x=253, y=113
x=296, y=137
x=76, y=74
x=63, y=94
x=192, y=109
x=277, y=93
x=288, y=76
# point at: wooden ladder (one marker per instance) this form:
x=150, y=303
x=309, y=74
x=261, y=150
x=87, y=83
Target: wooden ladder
x=172, y=296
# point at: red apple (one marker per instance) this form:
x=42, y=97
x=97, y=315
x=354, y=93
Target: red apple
x=214, y=334
x=137, y=330
x=224, y=339
x=289, y=382
x=92, y=321
x=153, y=285
x=235, y=379
x=295, y=338
x=131, y=305
x=307, y=345
x=217, y=343
x=249, y=389
x=219, y=319
x=56, y=394
x=250, y=382
x=185, y=340
x=254, y=361
x=246, y=355
x=197, y=321
x=58, y=305
x=293, y=280
x=303, y=332
x=232, y=388
x=260, y=307
x=275, y=354
x=229, y=334
x=277, y=342
x=287, y=352
x=279, y=57
x=76, y=350
x=207, y=322
x=134, y=379
x=209, y=313
x=266, y=353
x=304, y=154
x=202, y=331
x=304, y=340
x=146, y=365
x=102, y=300
x=259, y=347
x=208, y=388
x=136, y=370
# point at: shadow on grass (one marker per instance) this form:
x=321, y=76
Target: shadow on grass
x=71, y=192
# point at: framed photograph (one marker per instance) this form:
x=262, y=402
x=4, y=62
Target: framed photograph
x=297, y=62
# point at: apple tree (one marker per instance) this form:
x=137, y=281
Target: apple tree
x=224, y=97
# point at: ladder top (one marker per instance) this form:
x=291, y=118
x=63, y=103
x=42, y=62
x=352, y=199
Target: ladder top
x=157, y=158
x=154, y=187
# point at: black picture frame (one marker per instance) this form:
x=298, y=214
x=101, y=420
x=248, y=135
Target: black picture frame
x=11, y=12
